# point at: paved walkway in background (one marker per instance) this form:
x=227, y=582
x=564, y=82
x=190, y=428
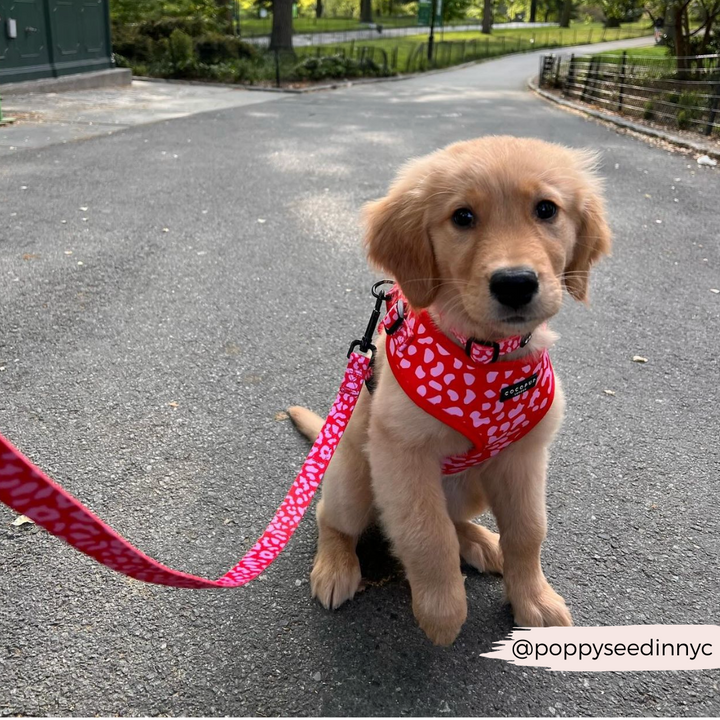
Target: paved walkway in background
x=49, y=118
x=168, y=290
x=331, y=38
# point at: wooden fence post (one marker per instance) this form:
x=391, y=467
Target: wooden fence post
x=622, y=81
x=713, y=109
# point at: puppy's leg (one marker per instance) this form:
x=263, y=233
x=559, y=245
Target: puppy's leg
x=343, y=512
x=409, y=495
x=466, y=500
x=515, y=485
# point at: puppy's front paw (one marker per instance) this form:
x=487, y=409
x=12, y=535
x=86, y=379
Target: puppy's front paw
x=441, y=612
x=335, y=577
x=542, y=608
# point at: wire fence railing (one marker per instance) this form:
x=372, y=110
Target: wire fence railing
x=542, y=36
x=651, y=89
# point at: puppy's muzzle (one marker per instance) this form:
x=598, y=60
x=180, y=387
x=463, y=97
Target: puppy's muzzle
x=514, y=287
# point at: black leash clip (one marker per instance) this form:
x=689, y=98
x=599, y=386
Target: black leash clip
x=366, y=342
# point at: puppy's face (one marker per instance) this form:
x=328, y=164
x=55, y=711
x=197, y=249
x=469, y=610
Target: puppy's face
x=490, y=231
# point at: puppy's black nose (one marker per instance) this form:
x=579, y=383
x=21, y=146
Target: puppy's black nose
x=514, y=287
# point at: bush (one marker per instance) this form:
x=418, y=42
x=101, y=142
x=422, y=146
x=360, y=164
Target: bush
x=688, y=107
x=648, y=110
x=215, y=48
x=335, y=66
x=194, y=26
x=182, y=53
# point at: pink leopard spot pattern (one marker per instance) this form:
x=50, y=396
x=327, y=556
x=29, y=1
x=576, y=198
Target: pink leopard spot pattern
x=469, y=382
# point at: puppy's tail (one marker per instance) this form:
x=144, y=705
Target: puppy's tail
x=306, y=421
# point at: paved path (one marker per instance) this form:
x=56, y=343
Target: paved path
x=372, y=33
x=146, y=369
x=50, y=118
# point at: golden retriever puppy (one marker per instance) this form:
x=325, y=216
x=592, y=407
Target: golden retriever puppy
x=482, y=237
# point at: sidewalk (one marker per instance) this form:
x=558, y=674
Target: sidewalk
x=44, y=119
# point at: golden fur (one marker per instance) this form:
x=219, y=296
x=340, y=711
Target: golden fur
x=388, y=462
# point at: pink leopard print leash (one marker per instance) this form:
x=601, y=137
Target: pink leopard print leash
x=28, y=490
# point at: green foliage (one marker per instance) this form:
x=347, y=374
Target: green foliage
x=688, y=107
x=156, y=28
x=619, y=11
x=216, y=48
x=455, y=9
x=335, y=66
x=649, y=110
x=133, y=11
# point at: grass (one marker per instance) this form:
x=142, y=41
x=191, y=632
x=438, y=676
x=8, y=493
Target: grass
x=401, y=49
x=261, y=26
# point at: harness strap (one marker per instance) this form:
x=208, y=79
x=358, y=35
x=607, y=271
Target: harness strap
x=28, y=490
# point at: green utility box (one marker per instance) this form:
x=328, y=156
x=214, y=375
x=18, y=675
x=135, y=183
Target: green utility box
x=49, y=38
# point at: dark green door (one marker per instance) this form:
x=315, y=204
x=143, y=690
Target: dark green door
x=26, y=56
x=80, y=35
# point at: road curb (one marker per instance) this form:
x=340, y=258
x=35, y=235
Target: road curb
x=672, y=138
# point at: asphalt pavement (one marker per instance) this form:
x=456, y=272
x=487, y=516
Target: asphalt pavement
x=169, y=289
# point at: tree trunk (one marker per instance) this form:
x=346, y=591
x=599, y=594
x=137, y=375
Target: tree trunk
x=679, y=38
x=282, y=27
x=225, y=14
x=366, y=11
x=318, y=9
x=487, y=20
x=533, y=10
x=566, y=13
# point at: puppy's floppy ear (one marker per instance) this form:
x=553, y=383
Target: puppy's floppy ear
x=397, y=238
x=593, y=236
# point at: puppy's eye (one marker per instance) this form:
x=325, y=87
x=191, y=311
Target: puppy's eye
x=463, y=218
x=546, y=209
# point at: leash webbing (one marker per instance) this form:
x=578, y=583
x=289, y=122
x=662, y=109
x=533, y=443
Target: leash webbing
x=28, y=490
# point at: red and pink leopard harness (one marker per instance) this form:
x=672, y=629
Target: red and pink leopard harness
x=491, y=402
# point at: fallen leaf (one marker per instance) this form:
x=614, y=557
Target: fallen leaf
x=173, y=404
x=648, y=196
x=280, y=416
x=84, y=209
x=22, y=520
x=715, y=290
x=261, y=220
x=166, y=230
x=639, y=359
x=609, y=392
x=30, y=256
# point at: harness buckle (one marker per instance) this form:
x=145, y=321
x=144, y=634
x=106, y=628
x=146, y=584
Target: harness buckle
x=365, y=344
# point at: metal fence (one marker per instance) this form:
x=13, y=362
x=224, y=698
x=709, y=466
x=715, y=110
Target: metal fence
x=414, y=57
x=652, y=89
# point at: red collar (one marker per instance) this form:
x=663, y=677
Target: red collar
x=491, y=402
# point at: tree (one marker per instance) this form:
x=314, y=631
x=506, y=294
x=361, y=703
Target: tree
x=366, y=11
x=689, y=27
x=487, y=19
x=318, y=9
x=282, y=25
x=533, y=10
x=566, y=13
